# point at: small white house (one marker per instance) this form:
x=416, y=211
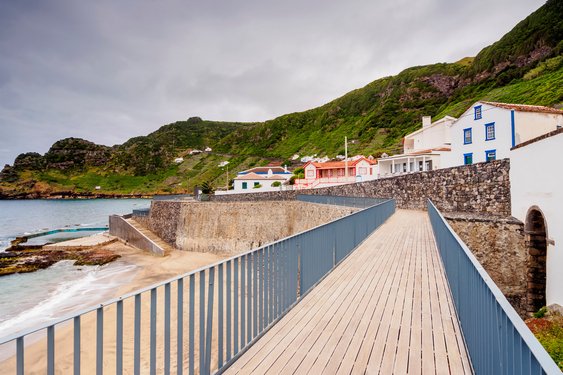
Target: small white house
x=488, y=130
x=179, y=160
x=208, y=149
x=261, y=179
x=536, y=180
x=422, y=149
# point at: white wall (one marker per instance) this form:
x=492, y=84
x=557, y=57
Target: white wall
x=502, y=142
x=266, y=186
x=435, y=136
x=536, y=179
x=530, y=125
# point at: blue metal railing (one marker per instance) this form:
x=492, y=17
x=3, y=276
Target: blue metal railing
x=497, y=339
x=359, y=202
x=171, y=326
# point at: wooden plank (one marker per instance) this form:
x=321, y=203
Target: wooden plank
x=284, y=338
x=330, y=357
x=428, y=363
x=415, y=349
x=298, y=313
x=340, y=319
x=440, y=353
x=400, y=365
x=386, y=309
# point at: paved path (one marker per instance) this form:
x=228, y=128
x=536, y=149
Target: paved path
x=386, y=309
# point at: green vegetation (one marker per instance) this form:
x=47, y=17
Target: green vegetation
x=525, y=66
x=540, y=313
x=548, y=329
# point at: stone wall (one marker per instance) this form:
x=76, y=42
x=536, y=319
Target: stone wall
x=482, y=187
x=499, y=245
x=234, y=227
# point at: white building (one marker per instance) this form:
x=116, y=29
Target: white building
x=261, y=179
x=423, y=149
x=487, y=130
x=536, y=180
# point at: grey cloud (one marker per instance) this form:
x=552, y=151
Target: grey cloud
x=108, y=70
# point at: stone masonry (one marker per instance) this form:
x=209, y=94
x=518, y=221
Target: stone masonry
x=230, y=228
x=482, y=187
x=499, y=244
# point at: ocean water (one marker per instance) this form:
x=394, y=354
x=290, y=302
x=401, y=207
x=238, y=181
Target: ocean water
x=18, y=217
x=31, y=299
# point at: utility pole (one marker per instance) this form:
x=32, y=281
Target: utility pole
x=227, y=176
x=346, y=157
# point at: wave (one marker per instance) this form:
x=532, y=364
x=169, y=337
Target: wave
x=93, y=285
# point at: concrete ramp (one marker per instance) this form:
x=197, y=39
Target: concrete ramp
x=138, y=236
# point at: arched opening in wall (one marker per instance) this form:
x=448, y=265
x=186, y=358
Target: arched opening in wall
x=536, y=241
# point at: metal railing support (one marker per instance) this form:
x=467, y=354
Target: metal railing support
x=497, y=339
x=244, y=296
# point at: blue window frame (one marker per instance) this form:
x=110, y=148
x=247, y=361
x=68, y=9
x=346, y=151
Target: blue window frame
x=468, y=158
x=467, y=136
x=245, y=185
x=490, y=155
x=490, y=131
x=478, y=112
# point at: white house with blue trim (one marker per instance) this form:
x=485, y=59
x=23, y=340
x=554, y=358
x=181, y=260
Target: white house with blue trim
x=260, y=179
x=488, y=130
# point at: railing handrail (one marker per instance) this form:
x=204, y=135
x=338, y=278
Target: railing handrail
x=543, y=358
x=6, y=339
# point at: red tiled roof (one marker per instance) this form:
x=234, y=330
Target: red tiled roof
x=340, y=164
x=526, y=107
x=429, y=151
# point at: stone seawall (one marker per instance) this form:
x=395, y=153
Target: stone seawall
x=499, y=245
x=230, y=228
x=482, y=187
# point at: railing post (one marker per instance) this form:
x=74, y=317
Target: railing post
x=209, y=333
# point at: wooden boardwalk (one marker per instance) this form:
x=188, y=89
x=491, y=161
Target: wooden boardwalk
x=385, y=310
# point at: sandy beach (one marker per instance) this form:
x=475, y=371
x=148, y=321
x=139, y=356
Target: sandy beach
x=150, y=270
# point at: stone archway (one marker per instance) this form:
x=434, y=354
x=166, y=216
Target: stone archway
x=536, y=242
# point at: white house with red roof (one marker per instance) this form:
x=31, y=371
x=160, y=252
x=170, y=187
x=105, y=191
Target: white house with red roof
x=423, y=150
x=333, y=173
x=488, y=130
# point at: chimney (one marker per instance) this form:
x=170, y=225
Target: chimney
x=285, y=168
x=426, y=121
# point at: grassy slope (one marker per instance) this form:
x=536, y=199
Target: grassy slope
x=376, y=116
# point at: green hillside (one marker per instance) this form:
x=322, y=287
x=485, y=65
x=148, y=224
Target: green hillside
x=524, y=66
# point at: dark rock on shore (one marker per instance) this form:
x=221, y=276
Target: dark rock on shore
x=22, y=259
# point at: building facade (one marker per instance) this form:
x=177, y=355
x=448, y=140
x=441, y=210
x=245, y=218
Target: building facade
x=260, y=179
x=334, y=173
x=423, y=149
x=537, y=201
x=488, y=130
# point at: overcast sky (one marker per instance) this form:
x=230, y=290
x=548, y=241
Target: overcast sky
x=110, y=70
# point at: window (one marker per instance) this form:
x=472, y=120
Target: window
x=245, y=185
x=490, y=155
x=489, y=131
x=310, y=173
x=363, y=170
x=467, y=136
x=468, y=159
x=478, y=112
x=256, y=184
